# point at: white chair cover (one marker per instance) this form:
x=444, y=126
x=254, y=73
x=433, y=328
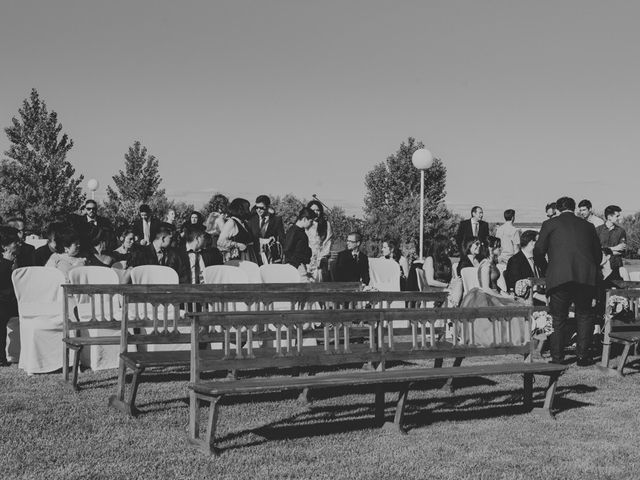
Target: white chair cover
x=384, y=274
x=279, y=273
x=469, y=278
x=157, y=274
x=153, y=274
x=98, y=357
x=634, y=276
x=39, y=294
x=251, y=269
x=225, y=274
x=624, y=273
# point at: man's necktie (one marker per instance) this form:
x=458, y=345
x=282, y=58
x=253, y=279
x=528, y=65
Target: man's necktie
x=162, y=256
x=533, y=267
x=475, y=229
x=263, y=226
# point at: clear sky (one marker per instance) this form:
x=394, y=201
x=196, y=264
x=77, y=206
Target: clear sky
x=523, y=101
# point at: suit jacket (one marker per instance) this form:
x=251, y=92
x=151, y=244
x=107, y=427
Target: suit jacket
x=573, y=249
x=211, y=256
x=518, y=267
x=8, y=303
x=465, y=232
x=347, y=269
x=88, y=231
x=26, y=256
x=146, y=255
x=138, y=231
x=275, y=229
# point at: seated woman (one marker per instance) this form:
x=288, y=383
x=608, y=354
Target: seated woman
x=438, y=270
x=70, y=242
x=471, y=255
x=123, y=252
x=391, y=251
x=98, y=255
x=492, y=331
x=45, y=251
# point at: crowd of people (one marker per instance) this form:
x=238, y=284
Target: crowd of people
x=237, y=230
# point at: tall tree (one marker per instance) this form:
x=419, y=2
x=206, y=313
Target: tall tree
x=392, y=200
x=36, y=180
x=139, y=183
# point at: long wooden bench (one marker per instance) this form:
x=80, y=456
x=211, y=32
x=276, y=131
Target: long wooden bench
x=149, y=324
x=383, y=344
x=99, y=306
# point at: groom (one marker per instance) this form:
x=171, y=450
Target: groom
x=573, y=249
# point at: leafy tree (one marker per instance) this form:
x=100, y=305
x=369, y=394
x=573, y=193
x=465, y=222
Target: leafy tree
x=288, y=207
x=631, y=224
x=392, y=200
x=36, y=180
x=139, y=183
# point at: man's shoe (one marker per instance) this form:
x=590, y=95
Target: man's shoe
x=584, y=362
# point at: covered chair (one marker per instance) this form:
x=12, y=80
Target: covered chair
x=251, y=269
x=225, y=274
x=279, y=273
x=384, y=274
x=157, y=275
x=104, y=308
x=469, y=278
x=13, y=339
x=39, y=294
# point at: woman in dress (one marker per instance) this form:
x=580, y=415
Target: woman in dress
x=297, y=251
x=236, y=241
x=471, y=257
x=320, y=237
x=70, y=241
x=391, y=251
x=490, y=331
x=123, y=252
x=218, y=217
x=99, y=256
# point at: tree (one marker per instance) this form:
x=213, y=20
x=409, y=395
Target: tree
x=631, y=224
x=392, y=200
x=36, y=180
x=139, y=183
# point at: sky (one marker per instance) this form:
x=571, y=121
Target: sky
x=522, y=101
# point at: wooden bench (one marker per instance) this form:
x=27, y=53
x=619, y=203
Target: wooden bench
x=624, y=332
x=141, y=327
x=383, y=345
x=102, y=306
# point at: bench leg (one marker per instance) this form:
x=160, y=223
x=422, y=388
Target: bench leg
x=194, y=423
x=76, y=367
x=118, y=401
x=65, y=363
x=398, y=419
x=135, y=383
x=528, y=391
x=606, y=349
x=623, y=359
x=379, y=408
x=549, y=397
x=449, y=383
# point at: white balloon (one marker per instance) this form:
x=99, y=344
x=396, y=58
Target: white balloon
x=422, y=159
x=93, y=184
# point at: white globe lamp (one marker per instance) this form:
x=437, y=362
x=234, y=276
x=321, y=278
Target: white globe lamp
x=93, y=185
x=422, y=159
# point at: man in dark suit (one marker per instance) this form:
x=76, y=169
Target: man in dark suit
x=90, y=224
x=9, y=245
x=195, y=256
x=522, y=264
x=144, y=228
x=473, y=227
x=26, y=254
x=352, y=265
x=268, y=228
x=159, y=252
x=573, y=250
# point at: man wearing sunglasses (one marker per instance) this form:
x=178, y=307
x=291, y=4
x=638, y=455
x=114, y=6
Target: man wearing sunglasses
x=269, y=229
x=90, y=224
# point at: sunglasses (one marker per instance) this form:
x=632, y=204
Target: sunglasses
x=261, y=208
x=90, y=209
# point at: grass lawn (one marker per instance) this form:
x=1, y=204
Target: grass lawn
x=479, y=432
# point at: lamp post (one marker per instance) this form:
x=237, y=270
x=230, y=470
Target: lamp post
x=93, y=185
x=422, y=159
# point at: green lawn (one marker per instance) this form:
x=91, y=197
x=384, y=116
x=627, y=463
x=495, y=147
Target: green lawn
x=480, y=432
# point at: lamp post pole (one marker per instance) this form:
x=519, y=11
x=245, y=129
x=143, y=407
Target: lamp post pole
x=422, y=159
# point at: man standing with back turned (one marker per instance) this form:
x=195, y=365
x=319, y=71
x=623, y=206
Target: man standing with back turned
x=573, y=249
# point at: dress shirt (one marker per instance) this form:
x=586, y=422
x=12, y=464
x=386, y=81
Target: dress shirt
x=146, y=230
x=196, y=264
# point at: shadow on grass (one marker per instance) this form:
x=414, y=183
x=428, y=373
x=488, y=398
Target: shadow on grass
x=339, y=419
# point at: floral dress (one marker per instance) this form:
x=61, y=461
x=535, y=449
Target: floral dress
x=319, y=249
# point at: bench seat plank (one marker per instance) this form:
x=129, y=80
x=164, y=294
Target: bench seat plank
x=356, y=378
